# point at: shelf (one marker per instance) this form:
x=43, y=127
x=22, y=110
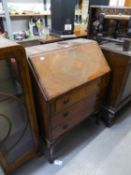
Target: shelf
x=29, y=39
x=117, y=17
x=31, y=14
x=80, y=30
x=35, y=14
x=2, y=15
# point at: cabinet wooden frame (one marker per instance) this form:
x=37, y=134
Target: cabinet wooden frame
x=9, y=49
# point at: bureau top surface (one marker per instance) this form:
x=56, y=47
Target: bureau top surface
x=61, y=67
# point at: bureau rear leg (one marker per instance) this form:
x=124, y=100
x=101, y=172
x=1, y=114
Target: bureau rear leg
x=96, y=118
x=108, y=118
x=109, y=121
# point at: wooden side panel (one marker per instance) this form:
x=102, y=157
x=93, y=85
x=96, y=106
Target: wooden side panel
x=118, y=64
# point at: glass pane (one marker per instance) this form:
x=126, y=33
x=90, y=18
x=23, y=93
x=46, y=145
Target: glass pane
x=15, y=133
x=9, y=80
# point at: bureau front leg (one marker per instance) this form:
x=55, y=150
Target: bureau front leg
x=49, y=151
x=1, y=171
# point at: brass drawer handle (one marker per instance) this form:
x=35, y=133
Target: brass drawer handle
x=65, y=127
x=65, y=114
x=66, y=101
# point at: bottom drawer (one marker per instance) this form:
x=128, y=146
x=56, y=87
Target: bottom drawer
x=72, y=116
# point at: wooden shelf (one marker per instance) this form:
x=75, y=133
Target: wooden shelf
x=80, y=31
x=28, y=14
x=31, y=14
x=29, y=39
x=35, y=14
x=118, y=17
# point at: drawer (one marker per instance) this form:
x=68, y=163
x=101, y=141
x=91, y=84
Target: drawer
x=73, y=115
x=77, y=95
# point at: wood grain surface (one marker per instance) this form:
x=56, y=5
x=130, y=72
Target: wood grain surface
x=68, y=65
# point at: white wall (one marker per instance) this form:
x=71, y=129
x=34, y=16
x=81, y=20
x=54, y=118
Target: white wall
x=35, y=5
x=117, y=2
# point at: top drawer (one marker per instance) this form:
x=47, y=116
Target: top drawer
x=78, y=94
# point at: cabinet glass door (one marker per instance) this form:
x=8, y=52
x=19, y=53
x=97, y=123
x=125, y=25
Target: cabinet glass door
x=15, y=131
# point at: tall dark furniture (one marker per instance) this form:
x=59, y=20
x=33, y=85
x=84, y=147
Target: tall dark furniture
x=119, y=91
x=63, y=14
x=19, y=139
x=116, y=46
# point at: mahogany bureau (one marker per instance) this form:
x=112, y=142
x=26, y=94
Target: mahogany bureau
x=69, y=81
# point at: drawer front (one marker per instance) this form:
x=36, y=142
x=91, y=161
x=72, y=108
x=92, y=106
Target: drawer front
x=73, y=115
x=71, y=98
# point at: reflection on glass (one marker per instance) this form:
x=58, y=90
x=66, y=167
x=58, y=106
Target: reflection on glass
x=15, y=133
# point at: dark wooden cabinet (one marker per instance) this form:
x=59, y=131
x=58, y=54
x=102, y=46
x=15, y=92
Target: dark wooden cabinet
x=110, y=26
x=119, y=92
x=19, y=139
x=69, y=80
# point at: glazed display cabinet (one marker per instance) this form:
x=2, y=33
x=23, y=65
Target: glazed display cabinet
x=18, y=126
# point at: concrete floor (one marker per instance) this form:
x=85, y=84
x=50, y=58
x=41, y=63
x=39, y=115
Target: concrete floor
x=90, y=149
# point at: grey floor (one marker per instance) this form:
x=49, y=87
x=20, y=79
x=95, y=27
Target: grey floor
x=90, y=149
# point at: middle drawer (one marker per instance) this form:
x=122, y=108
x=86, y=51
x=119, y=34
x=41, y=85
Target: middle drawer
x=76, y=112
